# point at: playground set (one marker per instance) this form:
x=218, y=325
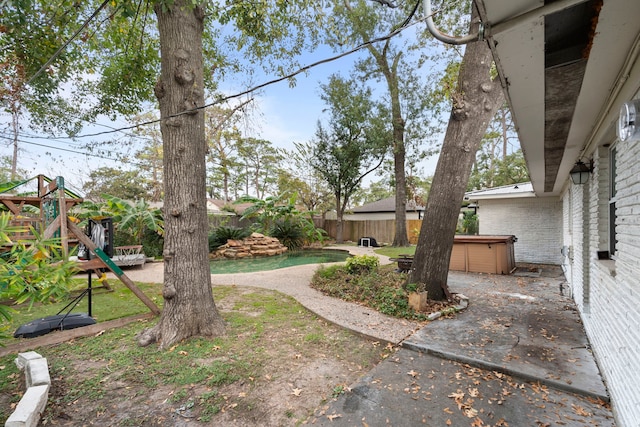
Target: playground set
x=47, y=213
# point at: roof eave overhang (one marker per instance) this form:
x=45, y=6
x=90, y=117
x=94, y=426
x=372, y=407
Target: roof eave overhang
x=564, y=96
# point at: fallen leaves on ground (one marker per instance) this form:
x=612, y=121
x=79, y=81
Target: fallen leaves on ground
x=579, y=410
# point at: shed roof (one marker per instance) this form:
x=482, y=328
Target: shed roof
x=512, y=191
x=239, y=208
x=387, y=205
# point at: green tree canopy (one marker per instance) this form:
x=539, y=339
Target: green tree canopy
x=260, y=162
x=125, y=184
x=401, y=64
x=499, y=160
x=298, y=178
x=352, y=145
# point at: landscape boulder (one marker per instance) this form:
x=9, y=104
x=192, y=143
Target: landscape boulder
x=256, y=245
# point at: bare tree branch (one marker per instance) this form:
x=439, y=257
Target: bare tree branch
x=386, y=3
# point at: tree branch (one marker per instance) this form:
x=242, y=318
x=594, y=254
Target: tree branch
x=386, y=3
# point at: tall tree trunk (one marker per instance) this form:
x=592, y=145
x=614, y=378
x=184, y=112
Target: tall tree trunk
x=225, y=186
x=189, y=309
x=156, y=173
x=505, y=134
x=474, y=104
x=390, y=73
x=400, y=238
x=339, y=219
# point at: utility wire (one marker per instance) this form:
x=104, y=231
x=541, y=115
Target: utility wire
x=65, y=44
x=84, y=153
x=58, y=138
x=405, y=24
x=10, y=136
x=262, y=85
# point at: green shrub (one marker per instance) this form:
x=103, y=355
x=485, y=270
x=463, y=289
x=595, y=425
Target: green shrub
x=393, y=302
x=312, y=233
x=152, y=244
x=411, y=287
x=381, y=289
x=220, y=235
x=289, y=232
x=31, y=271
x=329, y=272
x=469, y=223
x=362, y=264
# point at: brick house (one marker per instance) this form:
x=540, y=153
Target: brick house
x=571, y=73
x=516, y=210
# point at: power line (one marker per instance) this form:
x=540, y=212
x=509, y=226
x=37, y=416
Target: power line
x=77, y=147
x=65, y=44
x=59, y=138
x=83, y=153
x=405, y=24
x=262, y=85
x=10, y=137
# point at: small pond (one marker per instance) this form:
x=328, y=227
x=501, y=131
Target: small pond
x=288, y=259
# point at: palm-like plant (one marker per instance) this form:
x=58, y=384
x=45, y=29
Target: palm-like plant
x=266, y=212
x=280, y=218
x=89, y=209
x=289, y=232
x=222, y=234
x=31, y=271
x=129, y=218
x=134, y=218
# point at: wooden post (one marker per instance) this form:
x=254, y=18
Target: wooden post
x=41, y=193
x=62, y=213
x=51, y=229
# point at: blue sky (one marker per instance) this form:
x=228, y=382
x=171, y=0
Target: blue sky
x=284, y=115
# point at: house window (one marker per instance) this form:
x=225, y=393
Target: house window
x=612, y=201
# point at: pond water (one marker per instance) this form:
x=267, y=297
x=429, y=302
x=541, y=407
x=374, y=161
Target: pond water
x=288, y=259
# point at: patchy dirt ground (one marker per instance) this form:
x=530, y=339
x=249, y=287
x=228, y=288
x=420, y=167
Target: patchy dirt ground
x=277, y=364
x=288, y=397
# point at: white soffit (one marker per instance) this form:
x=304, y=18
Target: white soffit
x=618, y=27
x=521, y=53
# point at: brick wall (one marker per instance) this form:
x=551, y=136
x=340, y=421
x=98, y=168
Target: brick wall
x=607, y=292
x=536, y=222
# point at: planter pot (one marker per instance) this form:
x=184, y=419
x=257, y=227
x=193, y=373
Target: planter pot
x=418, y=301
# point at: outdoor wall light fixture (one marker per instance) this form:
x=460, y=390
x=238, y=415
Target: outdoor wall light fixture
x=580, y=172
x=628, y=126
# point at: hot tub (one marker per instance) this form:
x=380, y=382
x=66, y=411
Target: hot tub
x=483, y=254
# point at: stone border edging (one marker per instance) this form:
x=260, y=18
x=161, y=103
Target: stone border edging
x=34, y=400
x=464, y=303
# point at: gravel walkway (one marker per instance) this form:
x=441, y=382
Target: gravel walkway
x=294, y=281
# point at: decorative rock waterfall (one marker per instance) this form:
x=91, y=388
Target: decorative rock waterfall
x=256, y=245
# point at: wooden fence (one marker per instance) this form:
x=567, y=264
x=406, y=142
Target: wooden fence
x=381, y=230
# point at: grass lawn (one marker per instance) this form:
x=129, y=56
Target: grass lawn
x=396, y=252
x=276, y=365
x=106, y=305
